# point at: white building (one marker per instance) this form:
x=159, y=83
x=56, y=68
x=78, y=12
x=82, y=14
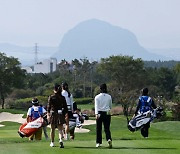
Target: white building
x=46, y=66
x=28, y=69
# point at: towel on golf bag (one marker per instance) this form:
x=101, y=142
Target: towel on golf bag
x=143, y=118
x=27, y=129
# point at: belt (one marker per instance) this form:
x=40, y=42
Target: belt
x=104, y=112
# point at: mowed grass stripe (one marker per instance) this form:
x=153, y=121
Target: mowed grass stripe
x=76, y=147
x=164, y=139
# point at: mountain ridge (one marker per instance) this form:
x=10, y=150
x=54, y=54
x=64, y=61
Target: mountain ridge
x=96, y=39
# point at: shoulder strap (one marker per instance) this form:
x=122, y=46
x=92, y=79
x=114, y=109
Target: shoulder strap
x=32, y=110
x=40, y=109
x=149, y=99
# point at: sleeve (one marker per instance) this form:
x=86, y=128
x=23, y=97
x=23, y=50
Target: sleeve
x=43, y=110
x=29, y=112
x=96, y=105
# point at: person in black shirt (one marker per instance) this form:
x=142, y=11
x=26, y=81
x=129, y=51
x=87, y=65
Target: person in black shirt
x=57, y=114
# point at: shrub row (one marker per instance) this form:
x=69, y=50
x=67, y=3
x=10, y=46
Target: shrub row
x=83, y=100
x=25, y=103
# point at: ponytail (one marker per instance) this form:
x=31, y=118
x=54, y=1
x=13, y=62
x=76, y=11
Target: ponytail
x=69, y=94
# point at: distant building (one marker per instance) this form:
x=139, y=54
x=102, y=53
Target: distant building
x=46, y=66
x=28, y=69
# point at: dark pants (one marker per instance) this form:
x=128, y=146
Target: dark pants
x=106, y=120
x=145, y=130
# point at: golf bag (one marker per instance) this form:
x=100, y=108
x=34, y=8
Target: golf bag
x=143, y=118
x=85, y=116
x=27, y=129
x=72, y=121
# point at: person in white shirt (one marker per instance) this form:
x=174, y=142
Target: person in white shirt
x=103, y=105
x=69, y=100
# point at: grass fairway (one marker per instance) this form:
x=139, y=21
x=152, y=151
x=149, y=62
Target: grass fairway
x=164, y=139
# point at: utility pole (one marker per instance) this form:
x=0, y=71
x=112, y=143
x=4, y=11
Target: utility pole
x=36, y=53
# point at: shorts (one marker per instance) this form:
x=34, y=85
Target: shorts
x=57, y=119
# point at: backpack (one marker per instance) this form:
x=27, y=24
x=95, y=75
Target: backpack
x=145, y=104
x=36, y=113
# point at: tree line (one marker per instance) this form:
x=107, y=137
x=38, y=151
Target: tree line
x=124, y=75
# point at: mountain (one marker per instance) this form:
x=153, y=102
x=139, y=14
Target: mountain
x=26, y=55
x=95, y=39
x=173, y=53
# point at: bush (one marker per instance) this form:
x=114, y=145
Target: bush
x=24, y=104
x=176, y=111
x=83, y=100
x=21, y=93
x=117, y=110
x=77, y=93
x=90, y=113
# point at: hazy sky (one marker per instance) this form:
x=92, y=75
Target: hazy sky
x=156, y=23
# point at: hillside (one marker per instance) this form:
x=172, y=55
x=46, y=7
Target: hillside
x=96, y=39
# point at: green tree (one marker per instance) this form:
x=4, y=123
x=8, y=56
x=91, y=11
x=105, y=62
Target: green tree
x=84, y=76
x=11, y=75
x=165, y=80
x=177, y=71
x=34, y=81
x=126, y=75
x=85, y=71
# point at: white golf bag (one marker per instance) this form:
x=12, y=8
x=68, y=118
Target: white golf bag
x=143, y=118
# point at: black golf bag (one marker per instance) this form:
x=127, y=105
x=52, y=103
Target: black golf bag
x=143, y=118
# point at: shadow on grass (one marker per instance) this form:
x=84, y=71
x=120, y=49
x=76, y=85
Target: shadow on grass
x=130, y=139
x=150, y=148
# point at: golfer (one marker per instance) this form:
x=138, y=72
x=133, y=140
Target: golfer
x=103, y=105
x=69, y=100
x=145, y=104
x=57, y=114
